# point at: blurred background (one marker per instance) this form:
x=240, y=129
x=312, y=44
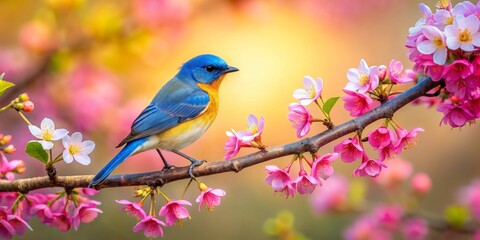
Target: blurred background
x=92, y=66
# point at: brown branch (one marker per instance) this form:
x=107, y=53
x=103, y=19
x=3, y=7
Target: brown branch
x=160, y=178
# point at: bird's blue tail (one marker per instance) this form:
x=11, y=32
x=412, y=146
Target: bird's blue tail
x=121, y=156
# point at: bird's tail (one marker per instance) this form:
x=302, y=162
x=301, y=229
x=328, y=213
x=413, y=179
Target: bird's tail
x=121, y=156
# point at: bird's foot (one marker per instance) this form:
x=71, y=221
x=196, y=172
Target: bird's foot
x=194, y=164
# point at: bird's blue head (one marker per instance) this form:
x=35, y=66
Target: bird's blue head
x=205, y=68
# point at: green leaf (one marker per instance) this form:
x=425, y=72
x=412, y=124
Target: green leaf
x=327, y=107
x=4, y=85
x=35, y=150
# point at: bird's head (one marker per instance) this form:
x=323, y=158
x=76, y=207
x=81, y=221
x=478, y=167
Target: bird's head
x=205, y=68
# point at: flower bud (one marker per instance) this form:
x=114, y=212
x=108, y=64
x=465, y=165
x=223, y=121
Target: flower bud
x=17, y=106
x=18, y=166
x=23, y=97
x=9, y=149
x=421, y=183
x=382, y=72
x=202, y=186
x=142, y=192
x=4, y=140
x=28, y=106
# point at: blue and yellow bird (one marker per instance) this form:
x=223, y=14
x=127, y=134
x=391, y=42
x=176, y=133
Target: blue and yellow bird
x=178, y=115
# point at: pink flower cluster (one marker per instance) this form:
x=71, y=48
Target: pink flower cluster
x=470, y=197
x=387, y=143
x=281, y=181
x=385, y=221
x=174, y=211
x=368, y=86
x=298, y=113
x=62, y=210
x=444, y=46
x=249, y=138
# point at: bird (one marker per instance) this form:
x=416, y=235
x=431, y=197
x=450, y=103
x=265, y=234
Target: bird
x=178, y=115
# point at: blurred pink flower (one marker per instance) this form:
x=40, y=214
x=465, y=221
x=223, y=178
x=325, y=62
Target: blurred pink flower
x=421, y=183
x=415, y=229
x=150, y=226
x=62, y=221
x=366, y=227
x=43, y=213
x=388, y=216
x=470, y=196
x=90, y=95
x=174, y=211
x=332, y=196
x=132, y=208
x=397, y=172
x=155, y=13
x=357, y=103
x=38, y=37
x=363, y=78
x=210, y=197
x=301, y=119
x=349, y=150
x=311, y=91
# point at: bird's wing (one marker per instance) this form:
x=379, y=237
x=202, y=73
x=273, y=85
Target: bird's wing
x=175, y=103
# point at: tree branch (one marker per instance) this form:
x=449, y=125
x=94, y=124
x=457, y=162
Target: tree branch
x=160, y=178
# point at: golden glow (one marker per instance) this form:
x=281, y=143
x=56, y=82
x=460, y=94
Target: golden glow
x=465, y=36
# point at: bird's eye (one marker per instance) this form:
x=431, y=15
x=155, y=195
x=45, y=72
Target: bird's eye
x=209, y=68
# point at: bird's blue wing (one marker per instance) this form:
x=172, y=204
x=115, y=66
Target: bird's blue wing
x=175, y=103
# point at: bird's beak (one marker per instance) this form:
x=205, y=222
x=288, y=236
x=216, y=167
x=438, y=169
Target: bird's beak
x=229, y=69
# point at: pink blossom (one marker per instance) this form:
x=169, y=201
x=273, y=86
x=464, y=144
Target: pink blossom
x=18, y=224
x=88, y=191
x=234, y=144
x=396, y=74
x=421, y=183
x=311, y=91
x=444, y=17
x=210, y=197
x=132, y=208
x=405, y=138
x=174, y=211
x=254, y=129
x=332, y=196
x=322, y=168
x=62, y=221
x=454, y=115
x=473, y=105
x=37, y=36
x=457, y=70
x=11, y=224
x=381, y=137
x=43, y=212
x=357, y=103
x=363, y=78
x=389, y=151
x=288, y=190
x=399, y=170
x=301, y=119
x=370, y=167
x=277, y=178
x=435, y=71
x=389, y=217
x=382, y=72
x=463, y=33
x=305, y=184
x=150, y=226
x=434, y=44
x=366, y=228
x=415, y=229
x=156, y=13
x=470, y=196
x=84, y=213
x=349, y=150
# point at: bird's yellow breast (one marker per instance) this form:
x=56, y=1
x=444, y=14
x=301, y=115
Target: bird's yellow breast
x=189, y=131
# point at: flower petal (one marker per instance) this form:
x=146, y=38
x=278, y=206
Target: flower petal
x=47, y=123
x=35, y=131
x=46, y=144
x=76, y=137
x=67, y=157
x=66, y=141
x=440, y=56
x=59, y=134
x=426, y=47
x=87, y=147
x=82, y=158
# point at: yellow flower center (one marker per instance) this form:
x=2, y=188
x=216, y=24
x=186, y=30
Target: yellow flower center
x=252, y=128
x=363, y=79
x=438, y=42
x=74, y=149
x=449, y=21
x=311, y=92
x=465, y=36
x=47, y=134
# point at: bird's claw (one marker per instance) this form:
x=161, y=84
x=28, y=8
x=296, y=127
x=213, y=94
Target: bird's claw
x=193, y=165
